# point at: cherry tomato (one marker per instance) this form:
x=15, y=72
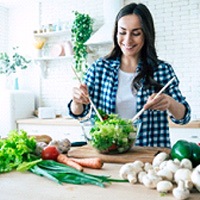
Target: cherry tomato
x=50, y=153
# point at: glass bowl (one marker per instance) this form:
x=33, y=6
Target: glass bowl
x=110, y=138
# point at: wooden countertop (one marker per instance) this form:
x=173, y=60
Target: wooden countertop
x=192, y=124
x=74, y=122
x=20, y=186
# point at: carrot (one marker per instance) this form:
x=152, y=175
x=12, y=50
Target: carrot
x=62, y=158
x=95, y=163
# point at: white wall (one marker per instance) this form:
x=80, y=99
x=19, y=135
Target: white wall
x=177, y=30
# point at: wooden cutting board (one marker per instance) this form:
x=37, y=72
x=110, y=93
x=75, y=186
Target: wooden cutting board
x=145, y=154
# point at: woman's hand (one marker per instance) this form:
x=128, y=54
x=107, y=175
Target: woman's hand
x=161, y=102
x=80, y=94
x=165, y=102
x=80, y=97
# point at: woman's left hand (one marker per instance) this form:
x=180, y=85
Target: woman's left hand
x=161, y=102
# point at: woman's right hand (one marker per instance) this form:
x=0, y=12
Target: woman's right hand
x=80, y=96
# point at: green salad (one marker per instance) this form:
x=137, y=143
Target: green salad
x=113, y=134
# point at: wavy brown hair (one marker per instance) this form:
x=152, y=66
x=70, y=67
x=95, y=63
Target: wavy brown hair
x=148, y=53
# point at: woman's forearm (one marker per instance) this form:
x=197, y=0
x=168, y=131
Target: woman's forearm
x=176, y=109
x=76, y=109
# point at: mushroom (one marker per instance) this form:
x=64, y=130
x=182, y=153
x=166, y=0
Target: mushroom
x=159, y=158
x=184, y=174
x=195, y=177
x=163, y=164
x=129, y=171
x=147, y=166
x=173, y=166
x=164, y=186
x=151, y=179
x=181, y=192
x=186, y=163
x=141, y=175
x=165, y=174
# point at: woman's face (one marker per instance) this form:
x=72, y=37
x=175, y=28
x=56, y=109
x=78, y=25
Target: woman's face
x=130, y=36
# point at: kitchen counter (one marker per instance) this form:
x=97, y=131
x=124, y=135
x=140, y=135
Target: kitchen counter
x=56, y=121
x=21, y=186
x=70, y=121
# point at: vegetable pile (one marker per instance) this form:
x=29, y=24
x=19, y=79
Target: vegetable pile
x=21, y=152
x=113, y=134
x=177, y=173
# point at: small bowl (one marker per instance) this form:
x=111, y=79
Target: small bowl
x=110, y=138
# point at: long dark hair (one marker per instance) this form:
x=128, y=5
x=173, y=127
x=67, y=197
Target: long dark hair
x=148, y=53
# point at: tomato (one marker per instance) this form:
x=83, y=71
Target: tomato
x=50, y=153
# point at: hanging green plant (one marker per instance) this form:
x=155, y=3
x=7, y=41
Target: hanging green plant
x=81, y=31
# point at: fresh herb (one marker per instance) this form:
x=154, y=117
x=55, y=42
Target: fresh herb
x=17, y=148
x=61, y=173
x=81, y=32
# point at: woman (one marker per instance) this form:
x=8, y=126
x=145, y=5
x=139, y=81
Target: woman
x=129, y=77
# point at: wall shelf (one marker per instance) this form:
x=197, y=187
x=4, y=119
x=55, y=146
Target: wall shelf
x=48, y=58
x=53, y=34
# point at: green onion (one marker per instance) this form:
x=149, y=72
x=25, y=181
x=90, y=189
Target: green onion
x=61, y=173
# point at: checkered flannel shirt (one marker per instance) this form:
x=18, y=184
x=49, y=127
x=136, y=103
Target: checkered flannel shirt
x=102, y=82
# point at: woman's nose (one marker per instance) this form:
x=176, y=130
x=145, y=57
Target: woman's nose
x=127, y=39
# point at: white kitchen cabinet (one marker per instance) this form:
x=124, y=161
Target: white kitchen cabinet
x=56, y=128
x=190, y=132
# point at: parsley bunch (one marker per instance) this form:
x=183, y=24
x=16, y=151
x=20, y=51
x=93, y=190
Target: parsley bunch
x=17, y=148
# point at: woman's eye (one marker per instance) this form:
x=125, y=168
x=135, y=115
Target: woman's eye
x=122, y=33
x=136, y=33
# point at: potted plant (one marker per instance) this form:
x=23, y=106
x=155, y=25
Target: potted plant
x=9, y=66
x=81, y=31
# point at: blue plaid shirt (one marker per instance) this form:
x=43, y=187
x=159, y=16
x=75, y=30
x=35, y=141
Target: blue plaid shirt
x=102, y=82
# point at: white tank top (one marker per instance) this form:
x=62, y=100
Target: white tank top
x=125, y=100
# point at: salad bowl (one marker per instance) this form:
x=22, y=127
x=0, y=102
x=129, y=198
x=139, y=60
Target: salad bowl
x=113, y=135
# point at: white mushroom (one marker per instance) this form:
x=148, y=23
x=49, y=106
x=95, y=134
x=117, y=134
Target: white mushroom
x=163, y=164
x=151, y=179
x=129, y=171
x=165, y=174
x=159, y=158
x=196, y=177
x=173, y=166
x=141, y=175
x=164, y=186
x=184, y=174
x=181, y=192
x=186, y=163
x=147, y=166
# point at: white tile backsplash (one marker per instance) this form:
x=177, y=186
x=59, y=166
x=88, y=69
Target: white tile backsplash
x=177, y=40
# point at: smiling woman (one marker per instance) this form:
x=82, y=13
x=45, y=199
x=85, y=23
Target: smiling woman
x=134, y=54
